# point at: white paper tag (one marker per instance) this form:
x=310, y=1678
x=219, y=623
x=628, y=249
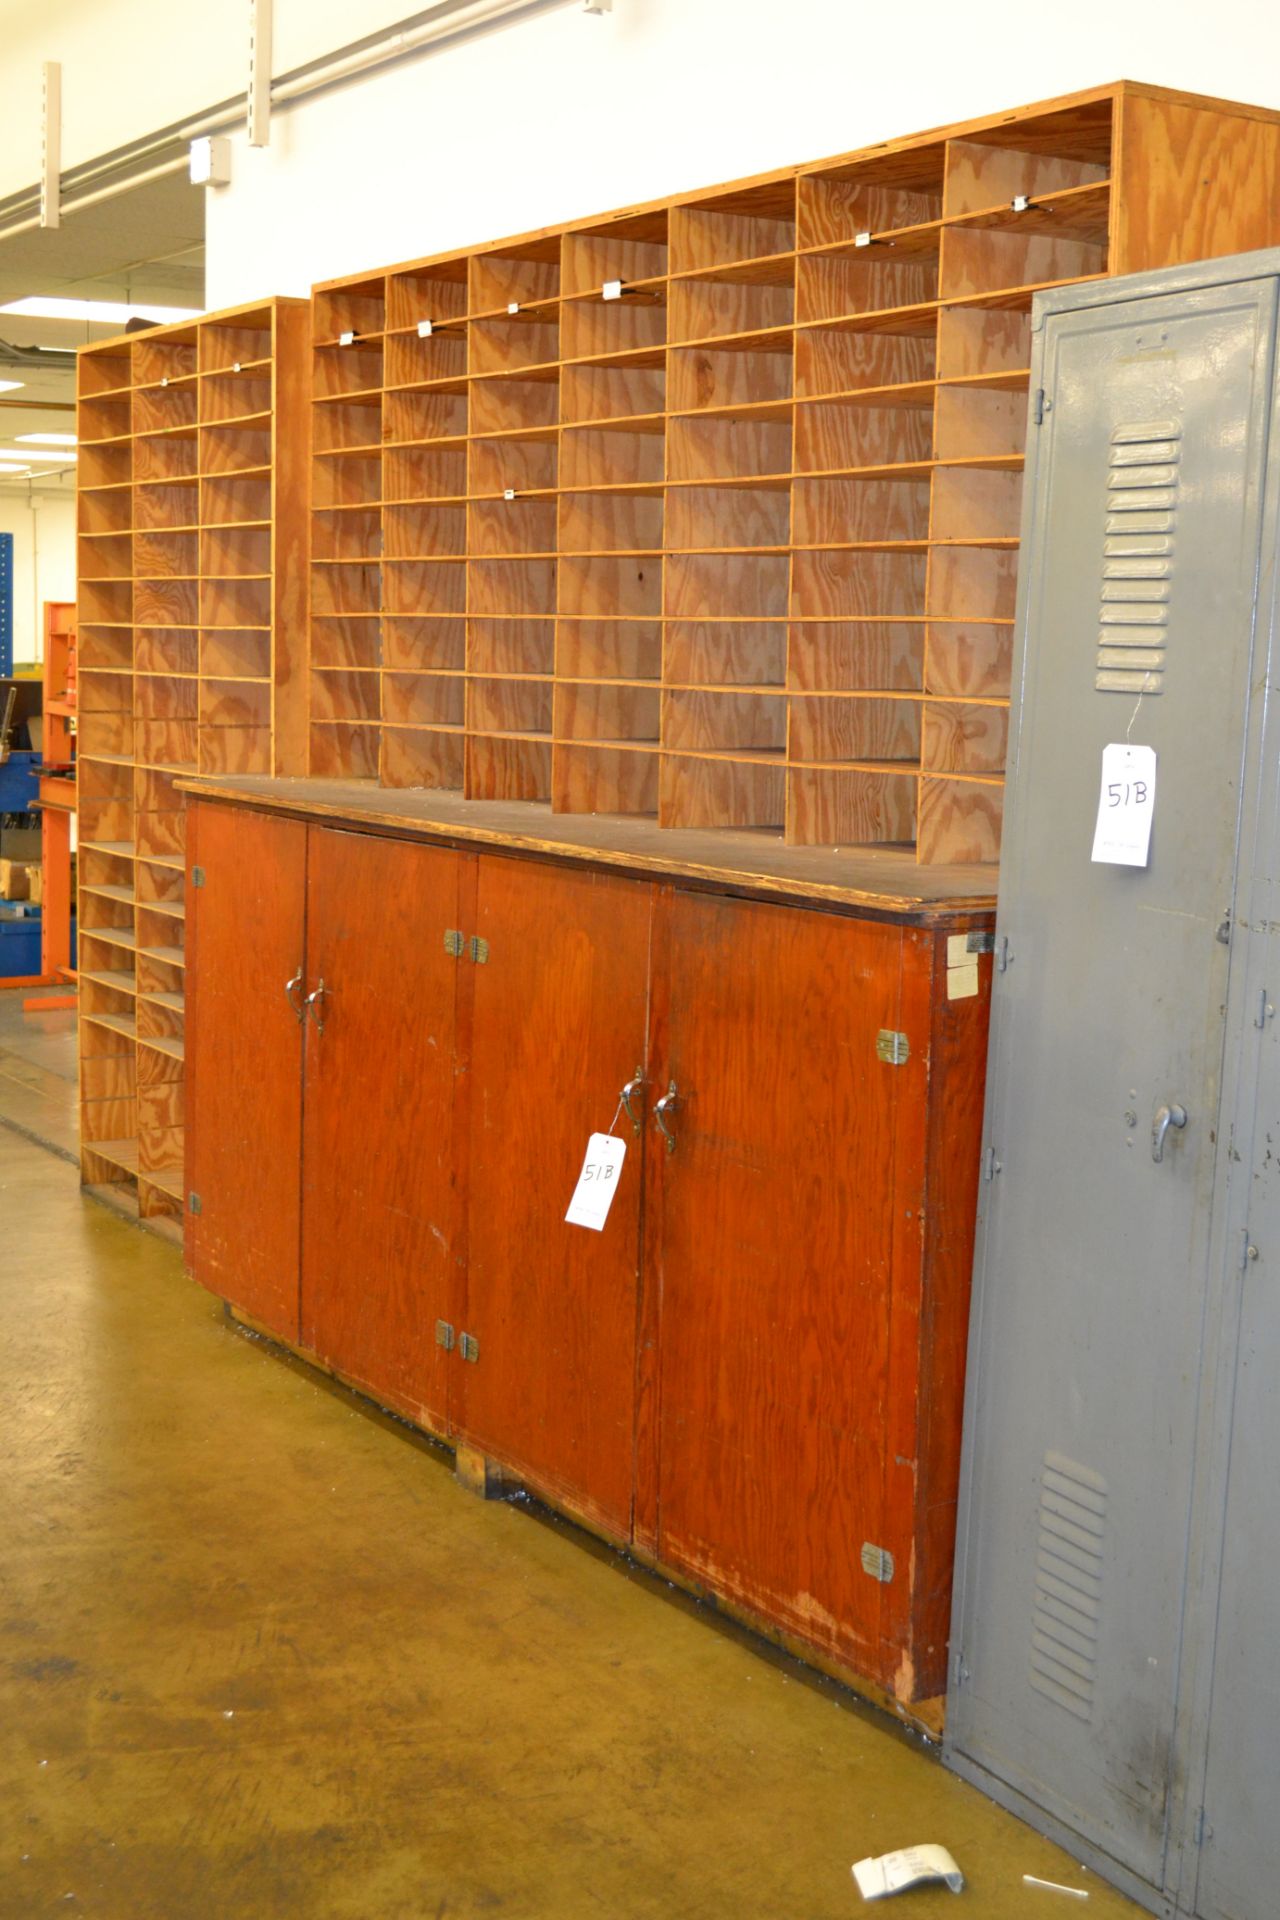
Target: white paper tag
x=346, y=339
x=913, y=1867
x=611, y=290
x=598, y=1181
x=424, y=329
x=1126, y=803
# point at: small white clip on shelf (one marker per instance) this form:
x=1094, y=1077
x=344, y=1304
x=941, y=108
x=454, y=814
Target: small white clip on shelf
x=424, y=329
x=513, y=306
x=346, y=339
x=611, y=290
x=862, y=239
x=508, y=493
x=1020, y=202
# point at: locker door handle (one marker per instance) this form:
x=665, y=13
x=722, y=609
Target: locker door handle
x=1167, y=1116
x=290, y=988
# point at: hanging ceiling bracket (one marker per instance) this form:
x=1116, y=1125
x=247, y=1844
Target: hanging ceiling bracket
x=259, y=100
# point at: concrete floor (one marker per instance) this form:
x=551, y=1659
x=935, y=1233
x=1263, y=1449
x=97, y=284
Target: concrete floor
x=261, y=1656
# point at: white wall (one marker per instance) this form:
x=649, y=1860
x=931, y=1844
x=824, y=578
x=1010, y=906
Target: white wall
x=44, y=564
x=131, y=67
x=563, y=114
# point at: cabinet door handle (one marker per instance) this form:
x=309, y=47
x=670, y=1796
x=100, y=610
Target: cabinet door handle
x=628, y=1094
x=290, y=988
x=661, y=1108
x=314, y=1004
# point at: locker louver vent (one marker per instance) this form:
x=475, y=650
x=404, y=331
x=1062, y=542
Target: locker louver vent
x=1064, y=1632
x=1137, y=556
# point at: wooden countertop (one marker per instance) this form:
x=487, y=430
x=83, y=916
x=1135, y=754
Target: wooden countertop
x=869, y=880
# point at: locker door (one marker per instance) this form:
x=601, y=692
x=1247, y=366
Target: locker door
x=1093, y=1260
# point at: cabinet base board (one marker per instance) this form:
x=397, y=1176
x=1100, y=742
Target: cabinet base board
x=489, y=1478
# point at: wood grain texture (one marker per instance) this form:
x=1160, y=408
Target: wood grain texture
x=244, y=1133
x=867, y=882
x=935, y=1181
x=560, y=1024
x=1193, y=183
x=379, y=1200
x=774, y=1268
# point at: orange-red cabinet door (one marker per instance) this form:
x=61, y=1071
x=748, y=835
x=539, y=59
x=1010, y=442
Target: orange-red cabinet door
x=379, y=1183
x=560, y=1023
x=775, y=1238
x=245, y=943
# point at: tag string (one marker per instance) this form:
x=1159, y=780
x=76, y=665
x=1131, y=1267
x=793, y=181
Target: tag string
x=617, y=1110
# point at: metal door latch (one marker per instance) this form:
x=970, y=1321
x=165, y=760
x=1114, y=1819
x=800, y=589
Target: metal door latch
x=1166, y=1116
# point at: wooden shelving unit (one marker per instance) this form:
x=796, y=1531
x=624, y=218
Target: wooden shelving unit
x=192, y=610
x=709, y=510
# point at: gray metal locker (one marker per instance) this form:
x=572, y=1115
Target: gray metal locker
x=1115, y=1654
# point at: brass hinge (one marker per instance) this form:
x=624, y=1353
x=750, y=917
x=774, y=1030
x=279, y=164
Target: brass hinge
x=479, y=949
x=877, y=1561
x=469, y=1347
x=197, y=876
x=453, y=942
x=194, y=1203
x=444, y=1335
x=893, y=1048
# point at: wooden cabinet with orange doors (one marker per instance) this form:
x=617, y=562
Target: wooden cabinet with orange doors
x=753, y=1375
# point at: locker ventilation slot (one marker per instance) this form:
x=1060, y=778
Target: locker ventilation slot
x=1064, y=1630
x=1137, y=556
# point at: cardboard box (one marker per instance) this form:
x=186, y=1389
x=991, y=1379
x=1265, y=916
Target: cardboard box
x=21, y=843
x=15, y=880
x=35, y=886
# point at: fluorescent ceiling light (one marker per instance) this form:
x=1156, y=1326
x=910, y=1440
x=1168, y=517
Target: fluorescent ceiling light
x=38, y=306
x=8, y=386
x=42, y=454
x=45, y=439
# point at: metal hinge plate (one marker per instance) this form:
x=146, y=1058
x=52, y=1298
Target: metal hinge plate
x=444, y=1335
x=959, y=1669
x=453, y=942
x=479, y=949
x=1041, y=407
x=990, y=1165
x=878, y=1562
x=469, y=1347
x=1203, y=1830
x=893, y=1048
x=194, y=1203
x=197, y=876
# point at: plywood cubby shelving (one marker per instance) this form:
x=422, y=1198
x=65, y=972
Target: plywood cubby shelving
x=192, y=600
x=709, y=510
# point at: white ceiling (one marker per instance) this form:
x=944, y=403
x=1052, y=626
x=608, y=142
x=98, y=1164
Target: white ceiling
x=145, y=244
